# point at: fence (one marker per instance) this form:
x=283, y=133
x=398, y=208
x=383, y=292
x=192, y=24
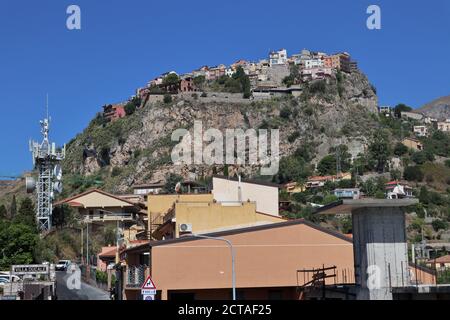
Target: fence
x=136, y=276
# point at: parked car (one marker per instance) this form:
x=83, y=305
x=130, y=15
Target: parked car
x=62, y=265
x=5, y=277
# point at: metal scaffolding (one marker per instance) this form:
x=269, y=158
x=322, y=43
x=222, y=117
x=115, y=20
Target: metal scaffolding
x=46, y=160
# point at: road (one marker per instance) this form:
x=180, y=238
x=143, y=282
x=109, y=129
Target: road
x=87, y=292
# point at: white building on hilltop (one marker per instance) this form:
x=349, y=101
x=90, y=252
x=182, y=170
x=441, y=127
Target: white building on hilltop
x=278, y=57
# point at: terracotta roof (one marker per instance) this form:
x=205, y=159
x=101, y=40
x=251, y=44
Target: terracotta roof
x=146, y=246
x=69, y=200
x=443, y=259
x=109, y=253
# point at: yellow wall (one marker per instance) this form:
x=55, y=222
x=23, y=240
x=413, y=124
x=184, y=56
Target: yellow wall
x=209, y=216
x=162, y=203
x=158, y=205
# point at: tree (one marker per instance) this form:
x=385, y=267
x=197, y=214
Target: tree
x=130, y=108
x=288, y=81
x=413, y=173
x=401, y=107
x=327, y=166
x=439, y=224
x=171, y=182
x=419, y=157
x=400, y=149
x=167, y=98
x=292, y=169
x=285, y=112
x=3, y=212
x=171, y=78
x=244, y=81
x=13, y=208
x=330, y=198
x=379, y=150
x=17, y=243
x=199, y=81
x=26, y=214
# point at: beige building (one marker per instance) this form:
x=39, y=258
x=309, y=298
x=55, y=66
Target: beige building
x=444, y=126
x=412, y=143
x=174, y=215
x=99, y=208
x=265, y=195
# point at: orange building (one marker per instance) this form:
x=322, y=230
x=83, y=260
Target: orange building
x=268, y=258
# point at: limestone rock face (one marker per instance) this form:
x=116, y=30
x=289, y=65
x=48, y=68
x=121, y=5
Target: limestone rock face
x=140, y=145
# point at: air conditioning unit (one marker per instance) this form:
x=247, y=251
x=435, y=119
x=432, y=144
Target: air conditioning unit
x=186, y=227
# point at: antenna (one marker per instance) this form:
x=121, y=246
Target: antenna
x=46, y=160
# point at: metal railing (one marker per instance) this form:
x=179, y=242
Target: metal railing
x=109, y=217
x=136, y=276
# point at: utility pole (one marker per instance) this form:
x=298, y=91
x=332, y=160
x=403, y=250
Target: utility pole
x=230, y=245
x=82, y=245
x=117, y=243
x=87, y=244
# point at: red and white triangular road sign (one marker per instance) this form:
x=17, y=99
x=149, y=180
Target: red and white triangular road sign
x=149, y=284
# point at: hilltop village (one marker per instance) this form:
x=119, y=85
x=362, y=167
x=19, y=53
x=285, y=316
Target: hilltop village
x=277, y=75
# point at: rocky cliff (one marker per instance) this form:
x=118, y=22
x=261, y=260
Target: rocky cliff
x=136, y=149
x=438, y=109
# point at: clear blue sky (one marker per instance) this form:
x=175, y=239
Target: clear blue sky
x=123, y=44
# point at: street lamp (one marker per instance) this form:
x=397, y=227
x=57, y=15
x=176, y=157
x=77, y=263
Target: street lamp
x=230, y=245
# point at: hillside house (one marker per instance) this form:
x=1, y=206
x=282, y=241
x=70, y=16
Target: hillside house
x=316, y=73
x=113, y=112
x=319, y=181
x=413, y=143
x=149, y=188
x=444, y=126
x=387, y=110
x=341, y=61
x=300, y=58
x=313, y=63
x=200, y=72
x=239, y=63
x=278, y=57
x=99, y=209
x=182, y=86
x=398, y=190
x=441, y=263
x=347, y=193
x=420, y=131
x=215, y=72
x=294, y=187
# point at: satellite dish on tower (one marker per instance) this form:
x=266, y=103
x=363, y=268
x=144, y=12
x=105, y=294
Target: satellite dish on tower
x=58, y=187
x=57, y=172
x=30, y=184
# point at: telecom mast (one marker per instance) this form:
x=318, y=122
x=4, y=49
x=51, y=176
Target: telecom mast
x=46, y=160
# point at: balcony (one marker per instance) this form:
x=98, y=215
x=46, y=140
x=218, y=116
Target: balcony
x=136, y=276
x=105, y=217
